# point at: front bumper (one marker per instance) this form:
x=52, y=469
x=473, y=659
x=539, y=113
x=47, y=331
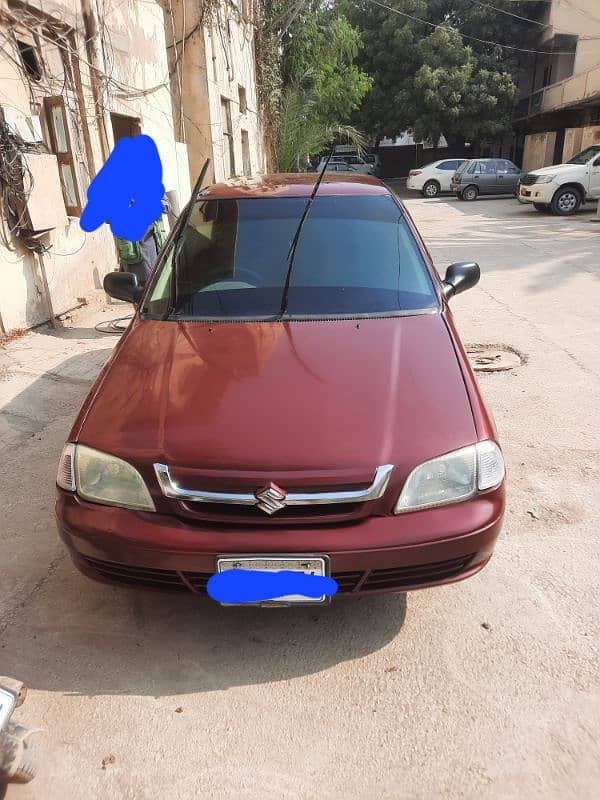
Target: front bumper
x=376, y=554
x=537, y=193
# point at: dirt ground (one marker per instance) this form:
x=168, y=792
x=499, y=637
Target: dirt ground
x=489, y=688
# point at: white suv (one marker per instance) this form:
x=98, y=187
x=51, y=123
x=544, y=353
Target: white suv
x=564, y=187
x=434, y=178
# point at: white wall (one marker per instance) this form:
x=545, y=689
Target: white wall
x=136, y=58
x=229, y=46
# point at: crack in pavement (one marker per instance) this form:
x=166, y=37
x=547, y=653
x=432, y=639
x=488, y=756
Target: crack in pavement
x=540, y=335
x=7, y=617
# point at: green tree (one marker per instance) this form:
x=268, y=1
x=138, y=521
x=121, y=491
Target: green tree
x=319, y=54
x=436, y=80
x=316, y=84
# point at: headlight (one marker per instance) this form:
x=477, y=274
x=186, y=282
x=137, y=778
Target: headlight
x=102, y=478
x=545, y=178
x=453, y=477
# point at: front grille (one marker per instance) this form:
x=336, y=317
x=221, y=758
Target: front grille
x=528, y=180
x=399, y=577
x=252, y=515
x=389, y=579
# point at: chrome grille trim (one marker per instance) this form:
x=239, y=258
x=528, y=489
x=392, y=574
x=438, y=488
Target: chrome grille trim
x=172, y=489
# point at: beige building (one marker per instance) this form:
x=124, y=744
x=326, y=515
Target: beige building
x=558, y=113
x=213, y=81
x=77, y=75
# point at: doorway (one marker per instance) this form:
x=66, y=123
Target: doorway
x=559, y=146
x=124, y=126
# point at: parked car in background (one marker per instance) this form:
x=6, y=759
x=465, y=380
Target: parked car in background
x=281, y=413
x=358, y=164
x=564, y=187
x=375, y=161
x=341, y=167
x=484, y=176
x=435, y=178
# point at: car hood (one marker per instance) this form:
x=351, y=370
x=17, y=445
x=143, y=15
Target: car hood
x=553, y=170
x=310, y=398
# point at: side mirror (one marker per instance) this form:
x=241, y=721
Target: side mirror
x=460, y=277
x=123, y=286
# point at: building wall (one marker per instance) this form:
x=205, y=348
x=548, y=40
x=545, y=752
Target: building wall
x=580, y=17
x=572, y=146
x=135, y=49
x=539, y=150
x=590, y=135
x=138, y=87
x=75, y=262
x=229, y=47
x=211, y=56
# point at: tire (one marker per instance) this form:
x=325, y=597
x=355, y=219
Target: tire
x=541, y=207
x=470, y=193
x=566, y=201
x=459, y=196
x=431, y=189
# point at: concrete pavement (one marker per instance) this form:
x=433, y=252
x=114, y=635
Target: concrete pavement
x=376, y=698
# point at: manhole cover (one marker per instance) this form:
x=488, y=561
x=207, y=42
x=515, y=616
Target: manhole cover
x=493, y=357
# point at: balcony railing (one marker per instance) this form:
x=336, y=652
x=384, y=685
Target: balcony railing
x=571, y=91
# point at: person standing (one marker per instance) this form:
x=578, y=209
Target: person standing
x=139, y=257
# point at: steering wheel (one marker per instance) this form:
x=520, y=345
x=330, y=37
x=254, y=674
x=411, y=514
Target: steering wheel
x=235, y=284
x=256, y=278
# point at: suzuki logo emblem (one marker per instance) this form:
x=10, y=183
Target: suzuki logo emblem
x=271, y=498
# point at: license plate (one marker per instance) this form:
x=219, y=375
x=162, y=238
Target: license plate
x=309, y=565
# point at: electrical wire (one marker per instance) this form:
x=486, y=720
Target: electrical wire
x=511, y=14
x=465, y=35
x=113, y=326
x=15, y=175
x=73, y=252
x=533, y=21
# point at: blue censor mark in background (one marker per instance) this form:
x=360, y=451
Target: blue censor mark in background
x=127, y=192
x=255, y=586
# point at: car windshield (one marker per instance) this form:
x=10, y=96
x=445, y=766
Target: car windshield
x=356, y=255
x=462, y=167
x=585, y=155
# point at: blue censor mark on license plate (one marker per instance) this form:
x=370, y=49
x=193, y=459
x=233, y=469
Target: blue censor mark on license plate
x=256, y=586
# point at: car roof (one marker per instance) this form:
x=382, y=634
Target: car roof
x=449, y=158
x=294, y=184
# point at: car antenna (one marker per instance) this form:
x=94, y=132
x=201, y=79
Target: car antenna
x=181, y=223
x=294, y=244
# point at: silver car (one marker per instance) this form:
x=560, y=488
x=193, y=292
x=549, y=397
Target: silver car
x=484, y=176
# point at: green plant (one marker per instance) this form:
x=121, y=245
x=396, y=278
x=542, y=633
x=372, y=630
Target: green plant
x=301, y=133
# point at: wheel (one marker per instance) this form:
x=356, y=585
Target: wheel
x=566, y=201
x=470, y=193
x=431, y=189
x=459, y=196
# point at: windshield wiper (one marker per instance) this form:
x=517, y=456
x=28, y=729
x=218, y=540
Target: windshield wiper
x=294, y=244
x=181, y=223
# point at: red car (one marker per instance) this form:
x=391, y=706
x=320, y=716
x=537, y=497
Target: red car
x=289, y=395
